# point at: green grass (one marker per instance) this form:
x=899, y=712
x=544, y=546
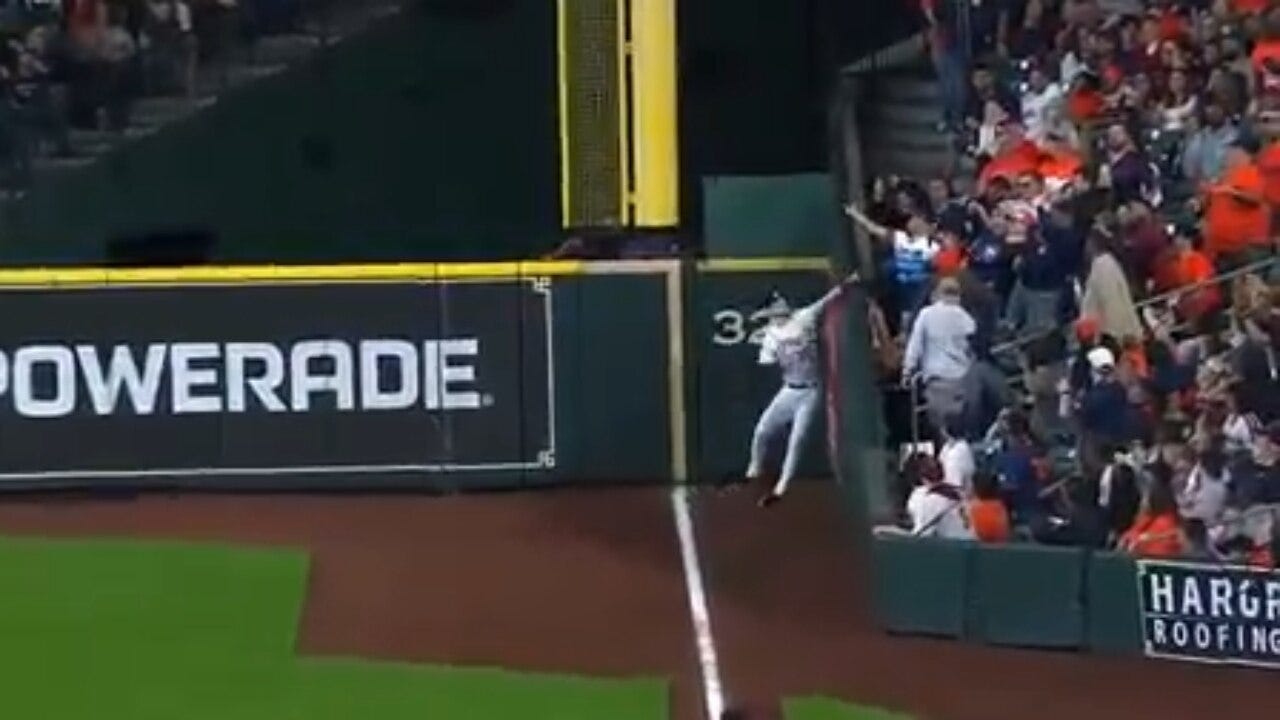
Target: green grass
x=817, y=708
x=157, y=631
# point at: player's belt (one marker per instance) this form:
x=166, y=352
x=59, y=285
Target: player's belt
x=802, y=386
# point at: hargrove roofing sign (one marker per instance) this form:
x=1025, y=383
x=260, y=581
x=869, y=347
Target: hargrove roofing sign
x=1210, y=613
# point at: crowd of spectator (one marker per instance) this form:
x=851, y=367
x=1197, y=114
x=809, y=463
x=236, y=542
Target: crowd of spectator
x=1087, y=308
x=83, y=63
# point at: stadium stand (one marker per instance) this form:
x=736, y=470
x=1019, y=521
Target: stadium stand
x=82, y=77
x=1086, y=190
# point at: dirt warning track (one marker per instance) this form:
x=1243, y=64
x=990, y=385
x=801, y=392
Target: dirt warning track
x=591, y=582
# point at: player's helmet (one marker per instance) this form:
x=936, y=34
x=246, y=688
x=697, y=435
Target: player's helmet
x=775, y=306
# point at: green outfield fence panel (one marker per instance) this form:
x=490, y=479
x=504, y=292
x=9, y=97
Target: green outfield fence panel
x=731, y=387
x=1026, y=595
x=611, y=379
x=860, y=449
x=770, y=216
x=920, y=585
x=1114, y=626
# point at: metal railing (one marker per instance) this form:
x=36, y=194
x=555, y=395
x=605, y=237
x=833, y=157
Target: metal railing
x=1218, y=279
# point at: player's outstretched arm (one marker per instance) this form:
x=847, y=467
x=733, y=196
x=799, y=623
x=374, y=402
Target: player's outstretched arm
x=809, y=313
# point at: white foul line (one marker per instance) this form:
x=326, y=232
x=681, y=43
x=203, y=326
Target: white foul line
x=699, y=612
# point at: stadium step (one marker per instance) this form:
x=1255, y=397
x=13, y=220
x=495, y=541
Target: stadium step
x=908, y=163
x=161, y=110
x=905, y=114
x=909, y=89
x=283, y=49
x=61, y=164
x=93, y=142
x=911, y=138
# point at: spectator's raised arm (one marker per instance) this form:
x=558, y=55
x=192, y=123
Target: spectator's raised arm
x=871, y=226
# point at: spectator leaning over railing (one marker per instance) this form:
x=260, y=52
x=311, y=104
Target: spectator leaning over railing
x=911, y=253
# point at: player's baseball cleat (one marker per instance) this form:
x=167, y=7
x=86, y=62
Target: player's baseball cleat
x=769, y=499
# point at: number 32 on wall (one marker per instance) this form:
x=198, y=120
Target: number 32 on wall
x=733, y=327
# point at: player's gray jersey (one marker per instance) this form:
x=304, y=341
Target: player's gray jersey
x=793, y=346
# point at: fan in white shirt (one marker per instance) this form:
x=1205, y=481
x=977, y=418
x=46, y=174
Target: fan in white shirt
x=1204, y=496
x=956, y=458
x=1043, y=105
x=938, y=510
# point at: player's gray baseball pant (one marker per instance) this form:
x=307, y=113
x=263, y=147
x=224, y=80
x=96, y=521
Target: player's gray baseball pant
x=793, y=407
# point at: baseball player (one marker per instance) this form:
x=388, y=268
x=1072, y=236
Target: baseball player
x=790, y=341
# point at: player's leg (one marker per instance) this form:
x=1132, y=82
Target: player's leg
x=772, y=423
x=805, y=413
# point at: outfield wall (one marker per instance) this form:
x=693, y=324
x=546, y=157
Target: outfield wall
x=441, y=376
x=1070, y=598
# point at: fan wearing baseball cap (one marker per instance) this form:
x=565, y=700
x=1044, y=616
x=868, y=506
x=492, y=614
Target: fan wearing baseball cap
x=1104, y=411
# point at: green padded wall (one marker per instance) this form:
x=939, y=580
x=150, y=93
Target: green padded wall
x=1027, y=595
x=920, y=585
x=1114, y=624
x=611, y=378
x=769, y=216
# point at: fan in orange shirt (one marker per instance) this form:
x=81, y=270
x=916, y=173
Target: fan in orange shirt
x=987, y=512
x=1060, y=164
x=1182, y=266
x=1266, y=49
x=1269, y=166
x=1017, y=156
x=1236, y=217
x=1172, y=25
x=1155, y=532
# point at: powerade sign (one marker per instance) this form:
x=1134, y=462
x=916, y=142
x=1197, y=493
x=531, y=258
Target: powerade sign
x=286, y=379
x=1209, y=613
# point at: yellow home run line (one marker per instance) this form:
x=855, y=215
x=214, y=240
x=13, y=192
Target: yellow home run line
x=233, y=274
x=766, y=264
x=385, y=272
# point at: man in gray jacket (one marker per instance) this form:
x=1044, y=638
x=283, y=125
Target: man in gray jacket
x=938, y=352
